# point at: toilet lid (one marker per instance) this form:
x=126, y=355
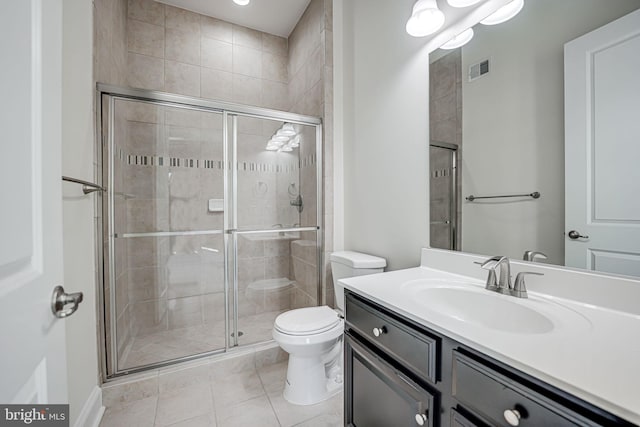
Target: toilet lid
x=309, y=320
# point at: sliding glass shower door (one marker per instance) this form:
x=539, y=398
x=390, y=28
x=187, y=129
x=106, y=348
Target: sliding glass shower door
x=210, y=226
x=166, y=241
x=275, y=228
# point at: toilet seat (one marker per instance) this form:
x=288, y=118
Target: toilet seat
x=307, y=321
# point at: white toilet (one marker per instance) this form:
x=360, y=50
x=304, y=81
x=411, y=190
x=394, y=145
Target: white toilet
x=313, y=336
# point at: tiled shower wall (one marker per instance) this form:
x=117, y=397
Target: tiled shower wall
x=110, y=66
x=311, y=92
x=110, y=41
x=445, y=111
x=178, y=51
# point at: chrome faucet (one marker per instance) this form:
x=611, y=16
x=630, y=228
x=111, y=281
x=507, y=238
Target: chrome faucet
x=533, y=255
x=502, y=283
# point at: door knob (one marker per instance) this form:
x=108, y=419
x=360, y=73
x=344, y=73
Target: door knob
x=573, y=235
x=61, y=299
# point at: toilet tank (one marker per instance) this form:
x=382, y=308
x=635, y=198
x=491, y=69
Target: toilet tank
x=351, y=264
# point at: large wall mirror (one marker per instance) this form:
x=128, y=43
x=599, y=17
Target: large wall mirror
x=501, y=132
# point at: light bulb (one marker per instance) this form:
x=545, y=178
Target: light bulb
x=459, y=40
x=241, y=2
x=462, y=3
x=426, y=19
x=287, y=129
x=285, y=132
x=505, y=13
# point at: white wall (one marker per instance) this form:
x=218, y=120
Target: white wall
x=383, y=94
x=513, y=125
x=78, y=209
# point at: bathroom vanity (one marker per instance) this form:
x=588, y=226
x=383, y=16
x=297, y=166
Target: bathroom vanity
x=427, y=347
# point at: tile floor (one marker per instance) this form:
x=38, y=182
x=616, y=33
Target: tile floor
x=250, y=398
x=167, y=345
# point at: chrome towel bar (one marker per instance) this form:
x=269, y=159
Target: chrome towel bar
x=534, y=195
x=87, y=187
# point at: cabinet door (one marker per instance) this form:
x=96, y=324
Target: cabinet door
x=379, y=395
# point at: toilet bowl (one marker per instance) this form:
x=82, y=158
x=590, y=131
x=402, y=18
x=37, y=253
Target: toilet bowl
x=313, y=336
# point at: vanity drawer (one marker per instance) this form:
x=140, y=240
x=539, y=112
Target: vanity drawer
x=490, y=394
x=460, y=420
x=410, y=347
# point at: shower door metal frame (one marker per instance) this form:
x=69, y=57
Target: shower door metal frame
x=453, y=201
x=104, y=232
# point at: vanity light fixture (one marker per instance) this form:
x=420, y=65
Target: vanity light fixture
x=505, y=13
x=462, y=3
x=459, y=40
x=425, y=18
x=241, y=2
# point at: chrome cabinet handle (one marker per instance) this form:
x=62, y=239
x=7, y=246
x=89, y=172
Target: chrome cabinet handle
x=573, y=235
x=379, y=331
x=60, y=299
x=512, y=417
x=421, y=419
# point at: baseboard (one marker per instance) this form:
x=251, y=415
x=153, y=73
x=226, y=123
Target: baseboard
x=92, y=410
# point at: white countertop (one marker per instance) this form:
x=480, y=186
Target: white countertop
x=593, y=354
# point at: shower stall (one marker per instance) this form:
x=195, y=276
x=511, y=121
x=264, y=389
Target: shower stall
x=211, y=224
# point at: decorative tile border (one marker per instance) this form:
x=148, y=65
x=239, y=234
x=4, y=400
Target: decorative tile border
x=441, y=173
x=178, y=162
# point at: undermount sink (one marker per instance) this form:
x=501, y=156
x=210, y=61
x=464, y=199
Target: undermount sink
x=475, y=305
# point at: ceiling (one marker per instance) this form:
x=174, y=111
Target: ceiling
x=277, y=17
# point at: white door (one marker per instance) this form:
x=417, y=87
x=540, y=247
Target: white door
x=32, y=339
x=602, y=148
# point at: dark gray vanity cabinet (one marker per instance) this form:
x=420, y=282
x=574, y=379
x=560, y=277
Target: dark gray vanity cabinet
x=381, y=395
x=398, y=373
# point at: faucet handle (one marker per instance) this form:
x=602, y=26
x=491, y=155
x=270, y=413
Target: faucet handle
x=519, y=288
x=491, y=264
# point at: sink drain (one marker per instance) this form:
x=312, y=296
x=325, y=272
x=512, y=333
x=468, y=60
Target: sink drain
x=240, y=333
